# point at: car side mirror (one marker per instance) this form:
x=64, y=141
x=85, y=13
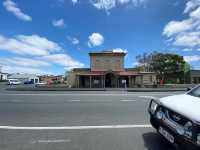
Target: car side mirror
x=189, y=88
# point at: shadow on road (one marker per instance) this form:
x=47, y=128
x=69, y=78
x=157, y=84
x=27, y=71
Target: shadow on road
x=153, y=141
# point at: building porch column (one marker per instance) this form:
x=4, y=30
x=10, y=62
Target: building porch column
x=90, y=81
x=129, y=81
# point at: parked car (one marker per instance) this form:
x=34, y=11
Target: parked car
x=29, y=82
x=177, y=118
x=41, y=83
x=14, y=82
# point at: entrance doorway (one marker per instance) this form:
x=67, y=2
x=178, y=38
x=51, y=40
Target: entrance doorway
x=109, y=80
x=123, y=82
x=84, y=82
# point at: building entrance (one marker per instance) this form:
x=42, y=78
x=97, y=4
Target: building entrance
x=109, y=80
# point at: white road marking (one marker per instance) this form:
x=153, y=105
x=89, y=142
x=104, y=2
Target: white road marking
x=52, y=141
x=77, y=127
x=128, y=100
x=74, y=100
x=149, y=97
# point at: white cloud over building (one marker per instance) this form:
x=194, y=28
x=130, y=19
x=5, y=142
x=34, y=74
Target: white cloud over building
x=95, y=39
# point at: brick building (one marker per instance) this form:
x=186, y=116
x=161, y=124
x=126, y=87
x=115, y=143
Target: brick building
x=107, y=71
x=51, y=79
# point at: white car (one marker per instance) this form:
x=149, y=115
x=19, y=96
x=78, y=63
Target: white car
x=177, y=118
x=14, y=82
x=41, y=83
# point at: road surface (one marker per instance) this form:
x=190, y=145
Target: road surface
x=78, y=121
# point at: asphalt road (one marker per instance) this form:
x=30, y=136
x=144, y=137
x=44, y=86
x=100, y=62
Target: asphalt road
x=78, y=121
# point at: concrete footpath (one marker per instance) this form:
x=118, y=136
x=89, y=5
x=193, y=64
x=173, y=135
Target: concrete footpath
x=95, y=89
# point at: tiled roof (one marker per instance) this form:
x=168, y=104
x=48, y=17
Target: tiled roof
x=92, y=73
x=96, y=73
x=127, y=73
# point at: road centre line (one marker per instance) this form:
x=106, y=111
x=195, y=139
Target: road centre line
x=77, y=127
x=74, y=100
x=149, y=97
x=128, y=100
x=52, y=141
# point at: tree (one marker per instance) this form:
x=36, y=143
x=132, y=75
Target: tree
x=144, y=61
x=170, y=68
x=187, y=69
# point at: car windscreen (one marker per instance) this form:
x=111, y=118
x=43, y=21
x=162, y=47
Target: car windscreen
x=195, y=92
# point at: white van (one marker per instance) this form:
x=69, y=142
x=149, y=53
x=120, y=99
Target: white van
x=14, y=82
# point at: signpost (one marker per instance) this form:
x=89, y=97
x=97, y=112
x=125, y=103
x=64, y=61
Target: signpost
x=124, y=82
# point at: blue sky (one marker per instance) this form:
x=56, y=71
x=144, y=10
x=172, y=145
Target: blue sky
x=51, y=36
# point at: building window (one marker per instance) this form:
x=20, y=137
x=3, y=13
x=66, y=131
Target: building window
x=32, y=80
x=36, y=80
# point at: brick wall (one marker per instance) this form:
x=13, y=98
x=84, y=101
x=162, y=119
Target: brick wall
x=106, y=63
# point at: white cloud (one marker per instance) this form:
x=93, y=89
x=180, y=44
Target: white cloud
x=185, y=33
x=119, y=50
x=174, y=27
x=74, y=1
x=28, y=45
x=24, y=65
x=95, y=39
x=191, y=39
x=187, y=49
x=192, y=58
x=123, y=1
x=195, y=13
x=104, y=4
x=191, y=5
x=23, y=62
x=64, y=60
x=12, y=7
x=135, y=64
x=109, y=4
x=58, y=23
x=73, y=40
x=44, y=54
x=38, y=64
x=19, y=69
